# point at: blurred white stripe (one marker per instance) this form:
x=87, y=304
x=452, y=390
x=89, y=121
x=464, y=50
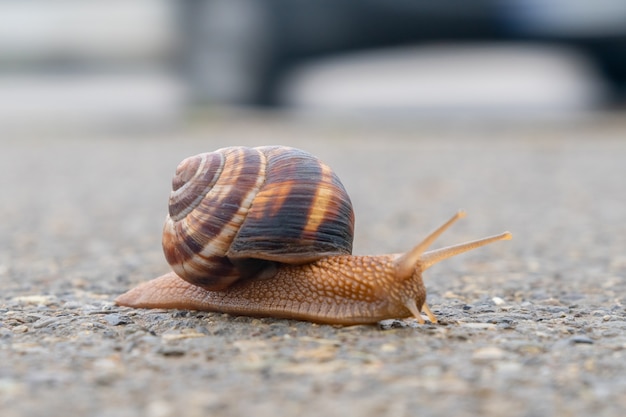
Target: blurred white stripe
x=497, y=79
x=34, y=29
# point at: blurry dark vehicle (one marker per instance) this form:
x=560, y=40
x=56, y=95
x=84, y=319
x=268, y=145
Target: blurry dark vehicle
x=238, y=51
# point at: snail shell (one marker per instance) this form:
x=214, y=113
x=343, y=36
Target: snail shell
x=234, y=212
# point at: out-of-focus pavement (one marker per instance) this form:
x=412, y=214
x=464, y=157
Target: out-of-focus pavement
x=532, y=326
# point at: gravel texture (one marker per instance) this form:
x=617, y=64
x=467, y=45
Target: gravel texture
x=535, y=326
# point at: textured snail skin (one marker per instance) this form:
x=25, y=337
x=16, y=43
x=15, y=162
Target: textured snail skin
x=336, y=289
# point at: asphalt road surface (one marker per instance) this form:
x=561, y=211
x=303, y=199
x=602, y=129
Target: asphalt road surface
x=534, y=326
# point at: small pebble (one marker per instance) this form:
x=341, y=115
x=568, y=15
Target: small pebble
x=508, y=368
x=479, y=326
x=581, y=339
x=498, y=301
x=488, y=353
x=506, y=324
x=72, y=305
x=117, y=319
x=20, y=329
x=189, y=334
x=173, y=351
x=388, y=347
x=396, y=324
x=45, y=322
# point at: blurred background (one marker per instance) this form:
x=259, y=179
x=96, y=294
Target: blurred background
x=105, y=64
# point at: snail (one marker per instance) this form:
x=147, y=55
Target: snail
x=268, y=231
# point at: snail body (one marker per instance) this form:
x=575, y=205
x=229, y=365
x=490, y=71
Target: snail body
x=283, y=249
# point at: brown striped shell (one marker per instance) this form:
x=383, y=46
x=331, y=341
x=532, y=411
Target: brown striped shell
x=236, y=211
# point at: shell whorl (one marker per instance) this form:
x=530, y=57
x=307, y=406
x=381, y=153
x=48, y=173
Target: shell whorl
x=236, y=210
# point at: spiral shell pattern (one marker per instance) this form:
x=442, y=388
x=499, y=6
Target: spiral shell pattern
x=236, y=210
